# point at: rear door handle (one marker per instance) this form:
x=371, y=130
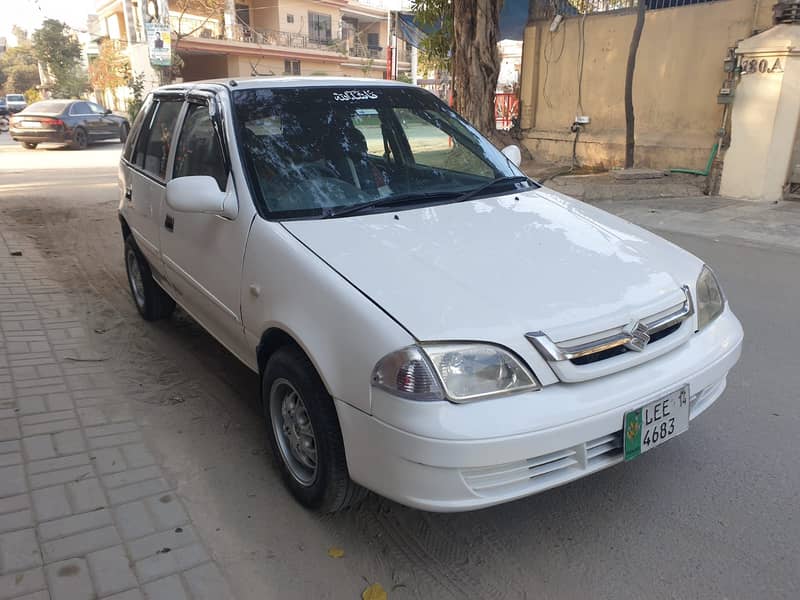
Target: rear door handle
x=169, y=223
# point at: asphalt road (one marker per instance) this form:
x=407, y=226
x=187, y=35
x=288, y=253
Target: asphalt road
x=713, y=514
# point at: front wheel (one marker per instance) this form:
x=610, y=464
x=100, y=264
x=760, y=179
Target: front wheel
x=151, y=301
x=29, y=145
x=304, y=433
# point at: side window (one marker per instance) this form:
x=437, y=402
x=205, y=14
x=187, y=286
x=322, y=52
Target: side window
x=152, y=148
x=433, y=147
x=96, y=108
x=130, y=143
x=199, y=150
x=80, y=108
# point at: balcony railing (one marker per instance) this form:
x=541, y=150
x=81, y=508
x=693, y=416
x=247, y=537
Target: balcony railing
x=196, y=26
x=345, y=47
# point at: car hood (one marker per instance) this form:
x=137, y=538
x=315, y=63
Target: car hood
x=488, y=268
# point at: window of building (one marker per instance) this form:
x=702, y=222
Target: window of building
x=373, y=40
x=199, y=150
x=243, y=13
x=290, y=18
x=319, y=27
x=291, y=67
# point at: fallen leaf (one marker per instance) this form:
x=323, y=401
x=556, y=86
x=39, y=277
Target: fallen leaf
x=335, y=552
x=374, y=592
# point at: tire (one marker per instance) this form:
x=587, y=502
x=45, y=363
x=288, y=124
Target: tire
x=327, y=486
x=123, y=132
x=80, y=139
x=151, y=301
x=29, y=145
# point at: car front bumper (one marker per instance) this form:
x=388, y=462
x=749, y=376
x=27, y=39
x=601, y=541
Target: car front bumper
x=444, y=457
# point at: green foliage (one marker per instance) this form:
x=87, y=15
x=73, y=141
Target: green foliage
x=436, y=51
x=21, y=78
x=136, y=83
x=56, y=47
x=18, y=70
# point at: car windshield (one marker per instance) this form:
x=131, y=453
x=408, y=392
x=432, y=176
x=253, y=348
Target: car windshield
x=45, y=108
x=313, y=151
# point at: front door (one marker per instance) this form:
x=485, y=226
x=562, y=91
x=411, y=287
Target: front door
x=203, y=253
x=107, y=127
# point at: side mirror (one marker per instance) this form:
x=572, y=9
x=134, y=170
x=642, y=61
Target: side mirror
x=513, y=153
x=200, y=194
x=108, y=111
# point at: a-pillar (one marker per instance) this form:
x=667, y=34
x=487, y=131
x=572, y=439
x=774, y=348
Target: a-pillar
x=766, y=110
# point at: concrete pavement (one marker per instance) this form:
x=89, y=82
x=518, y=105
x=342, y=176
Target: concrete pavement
x=85, y=509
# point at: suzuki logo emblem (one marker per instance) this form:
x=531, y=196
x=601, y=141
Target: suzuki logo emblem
x=639, y=338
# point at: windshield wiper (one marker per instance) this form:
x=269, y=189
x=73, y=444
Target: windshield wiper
x=410, y=197
x=413, y=197
x=490, y=184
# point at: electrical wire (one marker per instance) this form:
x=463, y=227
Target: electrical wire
x=581, y=56
x=548, y=58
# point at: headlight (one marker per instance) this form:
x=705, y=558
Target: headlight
x=458, y=372
x=710, y=300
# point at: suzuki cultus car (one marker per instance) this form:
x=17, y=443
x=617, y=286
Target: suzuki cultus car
x=427, y=321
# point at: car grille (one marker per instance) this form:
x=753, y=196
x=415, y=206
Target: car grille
x=611, y=352
x=537, y=474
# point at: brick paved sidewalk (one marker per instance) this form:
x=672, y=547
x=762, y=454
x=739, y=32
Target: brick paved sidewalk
x=85, y=509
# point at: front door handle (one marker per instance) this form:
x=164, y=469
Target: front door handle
x=169, y=223
x=128, y=193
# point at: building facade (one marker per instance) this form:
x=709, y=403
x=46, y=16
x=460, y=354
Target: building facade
x=242, y=38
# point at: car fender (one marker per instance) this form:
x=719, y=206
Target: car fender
x=286, y=286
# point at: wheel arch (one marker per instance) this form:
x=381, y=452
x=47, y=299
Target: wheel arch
x=126, y=230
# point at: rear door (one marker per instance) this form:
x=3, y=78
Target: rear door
x=147, y=167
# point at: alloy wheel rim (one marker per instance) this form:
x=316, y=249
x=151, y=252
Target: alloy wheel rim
x=135, y=277
x=293, y=431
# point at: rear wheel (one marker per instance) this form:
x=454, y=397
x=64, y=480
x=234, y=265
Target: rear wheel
x=304, y=433
x=123, y=132
x=151, y=301
x=79, y=139
x=29, y=145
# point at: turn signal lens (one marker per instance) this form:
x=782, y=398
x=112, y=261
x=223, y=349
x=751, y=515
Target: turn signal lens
x=407, y=373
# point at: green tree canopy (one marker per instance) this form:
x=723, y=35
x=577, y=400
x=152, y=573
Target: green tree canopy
x=56, y=47
x=18, y=70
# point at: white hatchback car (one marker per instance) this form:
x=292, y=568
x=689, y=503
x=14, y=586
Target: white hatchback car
x=427, y=322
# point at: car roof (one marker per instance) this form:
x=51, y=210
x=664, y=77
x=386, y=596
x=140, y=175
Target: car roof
x=283, y=82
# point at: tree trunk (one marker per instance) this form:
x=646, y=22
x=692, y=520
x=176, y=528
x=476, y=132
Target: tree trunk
x=629, y=116
x=476, y=63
